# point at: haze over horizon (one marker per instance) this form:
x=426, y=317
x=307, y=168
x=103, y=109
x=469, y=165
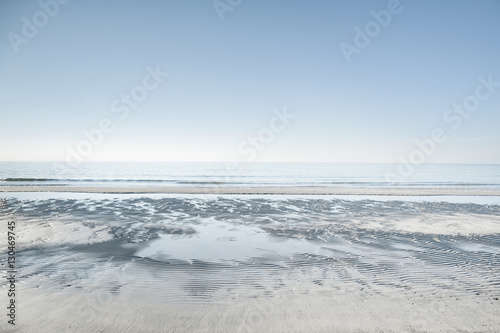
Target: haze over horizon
x=281, y=81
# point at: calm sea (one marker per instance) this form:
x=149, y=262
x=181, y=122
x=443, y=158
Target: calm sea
x=163, y=174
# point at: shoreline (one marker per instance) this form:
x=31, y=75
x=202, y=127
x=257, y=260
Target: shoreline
x=264, y=265
x=399, y=191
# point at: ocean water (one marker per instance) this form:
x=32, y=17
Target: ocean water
x=176, y=174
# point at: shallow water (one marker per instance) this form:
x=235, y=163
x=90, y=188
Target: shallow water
x=192, y=250
x=249, y=263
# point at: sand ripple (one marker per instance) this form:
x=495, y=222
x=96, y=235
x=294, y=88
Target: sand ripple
x=214, y=251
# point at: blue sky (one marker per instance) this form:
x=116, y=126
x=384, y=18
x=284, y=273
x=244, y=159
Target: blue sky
x=225, y=78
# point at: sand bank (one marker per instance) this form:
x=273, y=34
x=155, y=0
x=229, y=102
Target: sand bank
x=397, y=191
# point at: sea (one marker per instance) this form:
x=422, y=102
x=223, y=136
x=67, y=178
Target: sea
x=185, y=174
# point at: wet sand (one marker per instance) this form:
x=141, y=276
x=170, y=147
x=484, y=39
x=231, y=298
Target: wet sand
x=294, y=312
x=397, y=191
x=255, y=264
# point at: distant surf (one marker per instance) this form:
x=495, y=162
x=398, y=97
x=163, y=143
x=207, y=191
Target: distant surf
x=170, y=174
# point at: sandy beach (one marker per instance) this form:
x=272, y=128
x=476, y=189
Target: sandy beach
x=290, y=190
x=297, y=311
x=254, y=264
x=233, y=166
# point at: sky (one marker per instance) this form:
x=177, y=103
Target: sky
x=260, y=80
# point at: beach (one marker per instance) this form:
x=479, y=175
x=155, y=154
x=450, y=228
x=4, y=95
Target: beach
x=289, y=190
x=269, y=260
x=183, y=247
x=233, y=166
